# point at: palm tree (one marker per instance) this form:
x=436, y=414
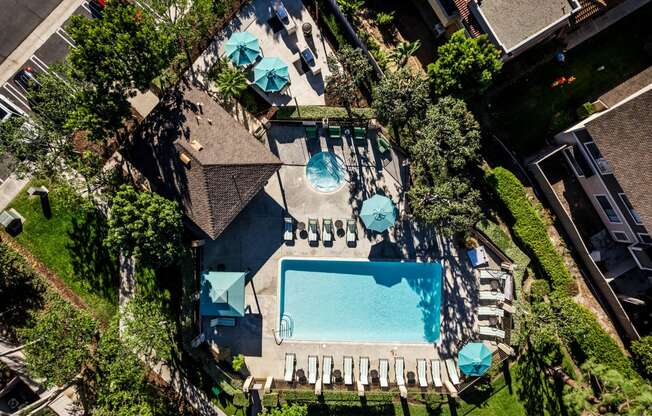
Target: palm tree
x=231, y=82
x=400, y=54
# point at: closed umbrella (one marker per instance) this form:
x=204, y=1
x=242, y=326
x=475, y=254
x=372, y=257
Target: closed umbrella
x=378, y=213
x=271, y=74
x=242, y=48
x=474, y=359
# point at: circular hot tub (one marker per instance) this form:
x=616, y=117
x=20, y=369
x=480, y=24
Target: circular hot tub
x=326, y=172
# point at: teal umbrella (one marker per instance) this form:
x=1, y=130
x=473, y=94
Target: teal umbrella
x=474, y=359
x=378, y=213
x=271, y=74
x=242, y=48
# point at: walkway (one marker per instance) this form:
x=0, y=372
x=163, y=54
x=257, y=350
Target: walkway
x=10, y=188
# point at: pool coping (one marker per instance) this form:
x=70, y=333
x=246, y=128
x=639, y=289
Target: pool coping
x=277, y=314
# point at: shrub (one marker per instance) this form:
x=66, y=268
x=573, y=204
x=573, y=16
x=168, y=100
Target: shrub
x=531, y=230
x=319, y=112
x=539, y=290
x=340, y=396
x=642, y=352
x=493, y=232
x=303, y=396
x=585, y=110
x=270, y=400
x=240, y=400
x=238, y=362
x=384, y=19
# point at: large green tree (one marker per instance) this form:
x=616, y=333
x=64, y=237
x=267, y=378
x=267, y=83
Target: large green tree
x=642, y=353
x=349, y=69
x=400, y=96
x=145, y=225
x=58, y=345
x=465, y=66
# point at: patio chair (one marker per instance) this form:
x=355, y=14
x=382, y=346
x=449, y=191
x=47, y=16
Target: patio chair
x=312, y=369
x=383, y=144
x=491, y=311
x=490, y=295
x=290, y=359
x=335, y=132
x=288, y=235
x=327, y=223
x=327, y=369
x=435, y=370
x=383, y=370
x=364, y=371
x=360, y=134
x=490, y=331
x=351, y=231
x=422, y=369
x=348, y=370
x=486, y=274
x=453, y=375
x=399, y=369
x=313, y=226
x=312, y=133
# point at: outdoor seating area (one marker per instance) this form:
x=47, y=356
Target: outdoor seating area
x=495, y=294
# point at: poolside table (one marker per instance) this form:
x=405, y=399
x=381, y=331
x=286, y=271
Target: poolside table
x=339, y=224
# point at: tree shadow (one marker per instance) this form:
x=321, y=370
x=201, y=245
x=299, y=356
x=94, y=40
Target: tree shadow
x=538, y=395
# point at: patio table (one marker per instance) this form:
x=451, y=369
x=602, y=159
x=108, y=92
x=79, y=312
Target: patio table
x=339, y=224
x=301, y=226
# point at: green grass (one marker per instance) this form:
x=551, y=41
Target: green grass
x=318, y=112
x=70, y=244
x=530, y=110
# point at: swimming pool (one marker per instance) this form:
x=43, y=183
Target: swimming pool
x=359, y=301
x=325, y=172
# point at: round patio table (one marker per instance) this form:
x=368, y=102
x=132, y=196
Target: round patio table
x=493, y=320
x=495, y=285
x=339, y=224
x=301, y=226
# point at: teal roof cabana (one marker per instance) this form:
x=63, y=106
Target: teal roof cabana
x=222, y=294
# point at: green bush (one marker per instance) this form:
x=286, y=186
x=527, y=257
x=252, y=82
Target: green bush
x=642, y=352
x=340, y=396
x=270, y=400
x=330, y=21
x=530, y=229
x=238, y=362
x=379, y=397
x=302, y=396
x=539, y=290
x=384, y=19
x=585, y=110
x=319, y=112
x=240, y=400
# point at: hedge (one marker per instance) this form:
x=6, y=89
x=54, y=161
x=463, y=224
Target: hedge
x=539, y=290
x=270, y=400
x=319, y=112
x=302, y=396
x=530, y=229
x=240, y=399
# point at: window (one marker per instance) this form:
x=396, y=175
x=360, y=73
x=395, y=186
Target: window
x=600, y=162
x=630, y=208
x=642, y=255
x=608, y=209
x=620, y=237
x=570, y=157
x=645, y=238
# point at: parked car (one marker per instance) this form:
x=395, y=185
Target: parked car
x=26, y=78
x=97, y=6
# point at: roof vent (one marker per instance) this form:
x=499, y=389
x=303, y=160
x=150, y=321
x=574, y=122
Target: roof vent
x=196, y=145
x=185, y=159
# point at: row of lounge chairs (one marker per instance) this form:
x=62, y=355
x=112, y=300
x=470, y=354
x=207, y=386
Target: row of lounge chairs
x=327, y=234
x=496, y=307
x=364, y=373
x=359, y=135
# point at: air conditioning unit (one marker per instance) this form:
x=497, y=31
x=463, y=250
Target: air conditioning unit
x=603, y=166
x=440, y=29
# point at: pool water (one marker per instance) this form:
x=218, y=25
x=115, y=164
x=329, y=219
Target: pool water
x=360, y=301
x=325, y=172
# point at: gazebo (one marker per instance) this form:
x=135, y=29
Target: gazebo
x=222, y=294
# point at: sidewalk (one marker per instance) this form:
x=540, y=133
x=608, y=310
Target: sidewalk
x=10, y=188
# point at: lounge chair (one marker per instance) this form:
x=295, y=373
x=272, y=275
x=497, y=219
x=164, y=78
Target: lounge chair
x=364, y=371
x=422, y=369
x=289, y=229
x=435, y=370
x=506, y=349
x=399, y=369
x=351, y=231
x=290, y=359
x=507, y=308
x=490, y=311
x=493, y=275
x=335, y=132
x=360, y=134
x=491, y=332
x=312, y=369
x=327, y=223
x=478, y=256
x=453, y=375
x=313, y=226
x=383, y=144
x=348, y=370
x=383, y=370
x=328, y=369
x=490, y=295
x=312, y=133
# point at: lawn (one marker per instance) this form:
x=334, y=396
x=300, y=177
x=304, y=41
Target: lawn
x=530, y=110
x=70, y=244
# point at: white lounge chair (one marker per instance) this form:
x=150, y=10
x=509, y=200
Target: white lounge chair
x=312, y=369
x=348, y=370
x=490, y=311
x=422, y=369
x=327, y=235
x=435, y=370
x=351, y=231
x=491, y=332
x=313, y=226
x=453, y=375
x=289, y=229
x=327, y=370
x=289, y=367
x=490, y=295
x=383, y=371
x=507, y=308
x=486, y=274
x=399, y=369
x=506, y=349
x=364, y=371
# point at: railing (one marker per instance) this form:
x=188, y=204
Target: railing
x=285, y=328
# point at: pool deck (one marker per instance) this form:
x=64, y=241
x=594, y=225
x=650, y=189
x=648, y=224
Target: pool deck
x=254, y=242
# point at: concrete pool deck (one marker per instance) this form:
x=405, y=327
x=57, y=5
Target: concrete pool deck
x=254, y=242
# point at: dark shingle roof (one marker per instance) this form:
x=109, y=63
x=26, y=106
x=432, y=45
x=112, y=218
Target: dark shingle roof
x=624, y=137
x=221, y=178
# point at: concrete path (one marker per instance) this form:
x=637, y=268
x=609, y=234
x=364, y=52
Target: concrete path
x=10, y=188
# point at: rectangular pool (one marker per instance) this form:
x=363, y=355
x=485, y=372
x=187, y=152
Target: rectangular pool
x=360, y=301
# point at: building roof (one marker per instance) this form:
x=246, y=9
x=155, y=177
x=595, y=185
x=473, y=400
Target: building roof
x=624, y=137
x=222, y=294
x=467, y=18
x=224, y=168
x=511, y=22
x=627, y=88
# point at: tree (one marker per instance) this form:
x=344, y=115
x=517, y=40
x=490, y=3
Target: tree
x=642, y=352
x=231, y=83
x=238, y=362
x=148, y=329
x=145, y=225
x=399, y=96
x=465, y=66
x=400, y=54
x=287, y=410
x=58, y=345
x=350, y=7
x=349, y=69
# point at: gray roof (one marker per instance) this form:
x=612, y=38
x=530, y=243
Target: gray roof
x=624, y=137
x=221, y=178
x=627, y=88
x=512, y=21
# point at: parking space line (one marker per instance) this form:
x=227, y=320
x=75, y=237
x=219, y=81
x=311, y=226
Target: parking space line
x=16, y=94
x=39, y=63
x=86, y=6
x=66, y=38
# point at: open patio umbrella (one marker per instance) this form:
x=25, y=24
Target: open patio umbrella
x=271, y=74
x=378, y=213
x=474, y=359
x=242, y=48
